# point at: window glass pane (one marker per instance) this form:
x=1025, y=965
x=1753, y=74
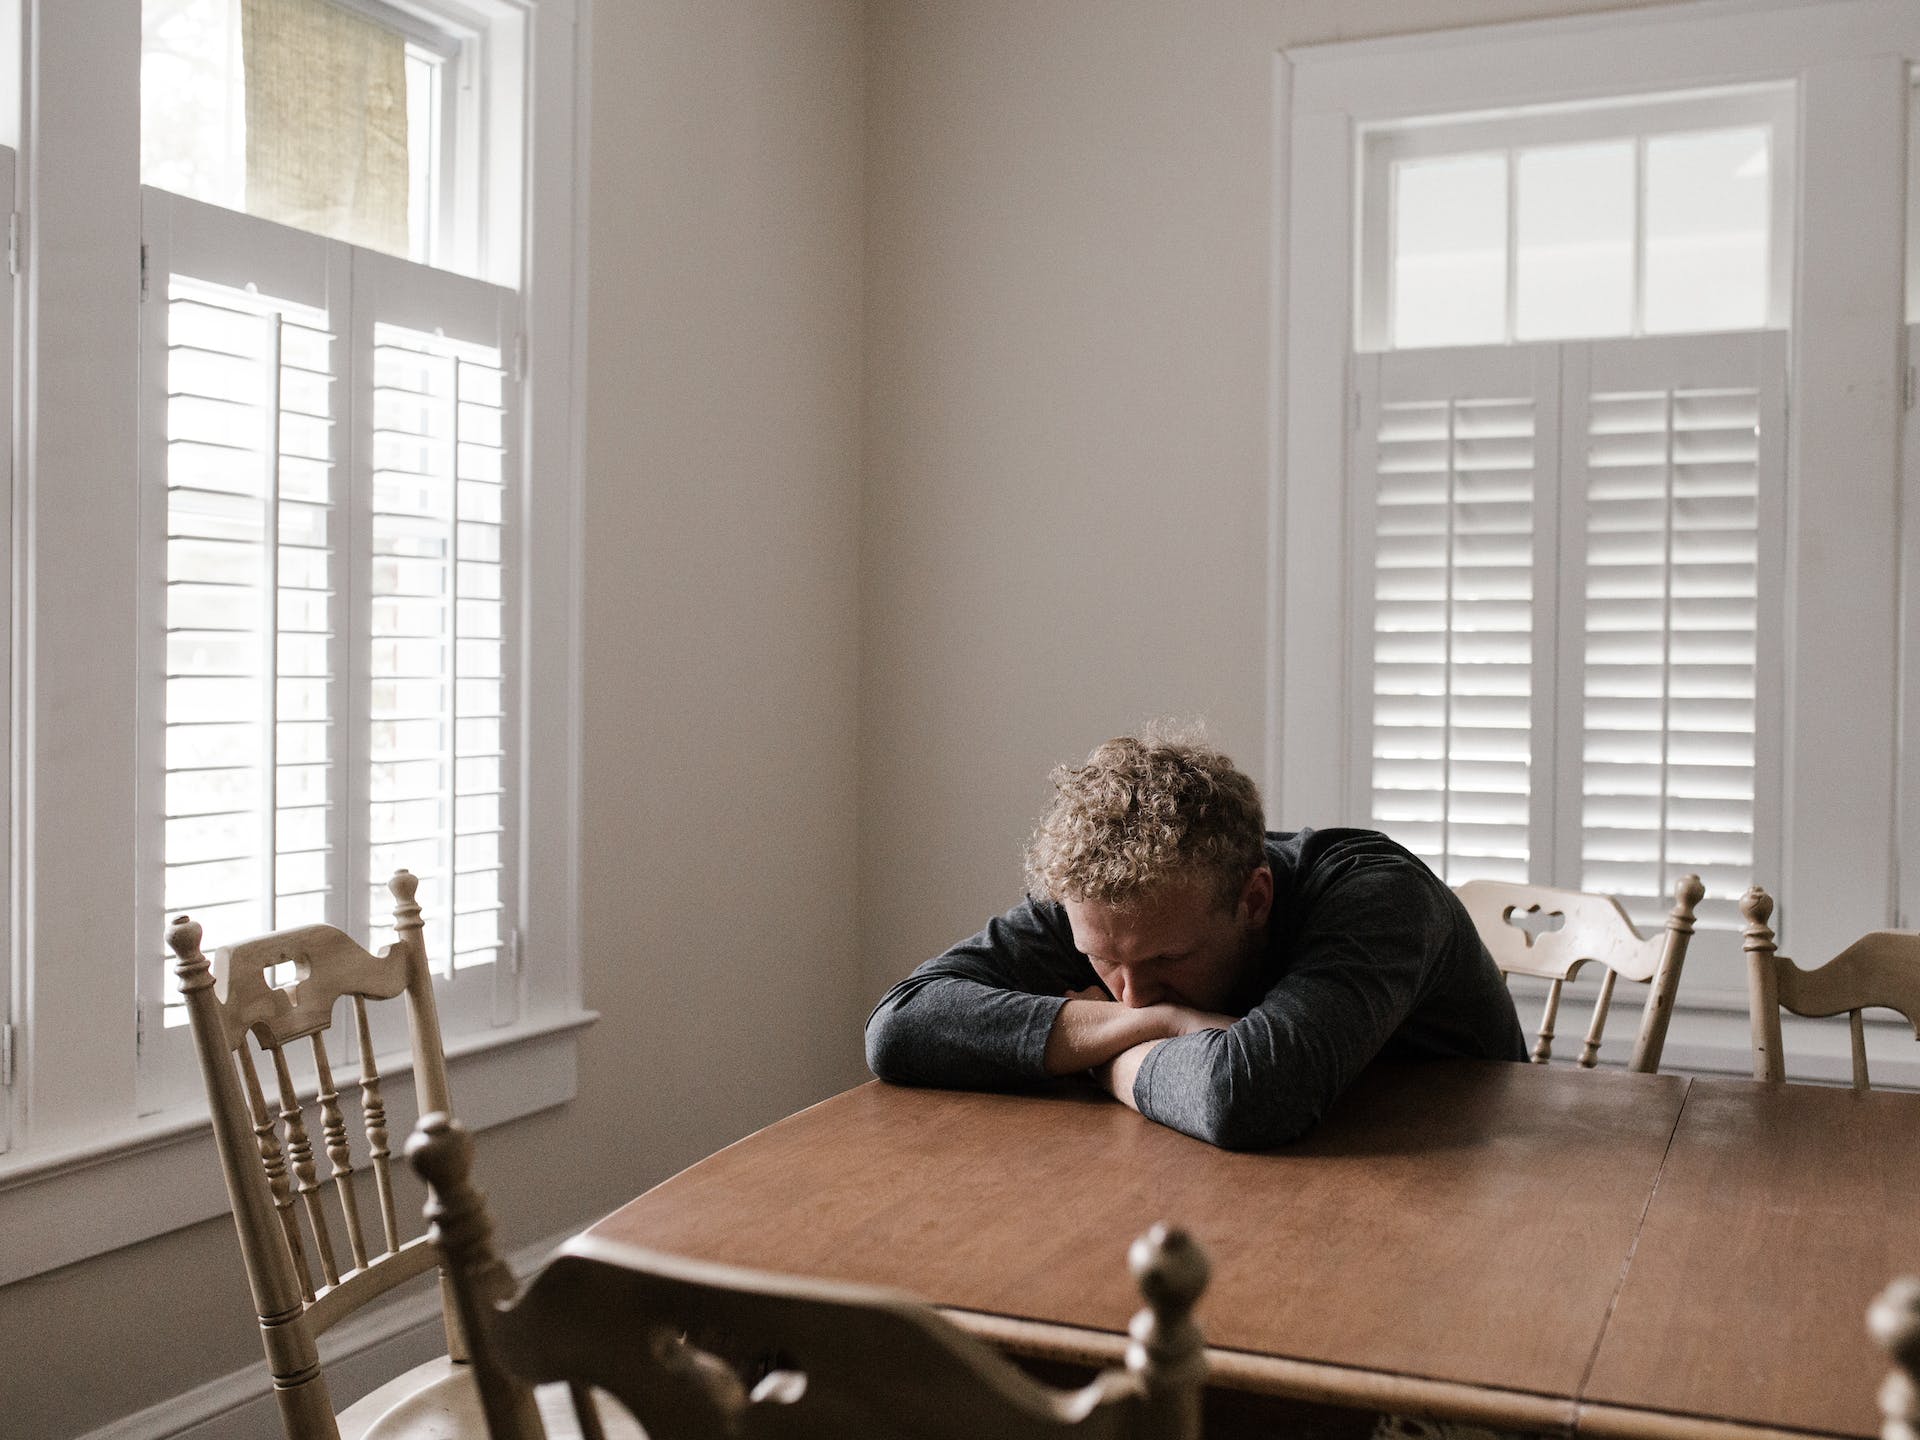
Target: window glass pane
x=1706, y=231
x=1450, y=251
x=1575, y=240
x=299, y=111
x=193, y=125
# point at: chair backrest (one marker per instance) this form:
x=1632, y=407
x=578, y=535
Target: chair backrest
x=1550, y=934
x=1880, y=970
x=699, y=1351
x=266, y=1148
x=1894, y=1320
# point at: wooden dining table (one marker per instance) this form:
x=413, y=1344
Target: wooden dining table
x=1527, y=1247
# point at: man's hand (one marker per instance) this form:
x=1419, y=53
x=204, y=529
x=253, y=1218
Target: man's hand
x=1092, y=1030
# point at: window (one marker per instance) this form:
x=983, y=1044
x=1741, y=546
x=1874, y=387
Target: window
x=1650, y=217
x=1565, y=574
x=1559, y=547
x=390, y=153
x=1604, y=613
x=289, y=614
x=328, y=666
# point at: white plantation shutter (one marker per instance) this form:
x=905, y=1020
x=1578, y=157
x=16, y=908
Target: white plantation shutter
x=1566, y=644
x=249, y=578
x=436, y=786
x=1452, y=519
x=239, y=778
x=327, y=637
x=438, y=722
x=1674, y=463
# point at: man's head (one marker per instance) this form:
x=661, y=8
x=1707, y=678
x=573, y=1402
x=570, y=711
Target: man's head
x=1155, y=847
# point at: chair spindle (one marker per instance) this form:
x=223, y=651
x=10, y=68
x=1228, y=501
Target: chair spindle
x=275, y=1163
x=1543, y=1047
x=585, y=1413
x=306, y=1175
x=1597, y=1027
x=375, y=1113
x=1763, y=985
x=333, y=1125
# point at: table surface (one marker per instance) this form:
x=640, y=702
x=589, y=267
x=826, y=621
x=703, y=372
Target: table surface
x=1533, y=1246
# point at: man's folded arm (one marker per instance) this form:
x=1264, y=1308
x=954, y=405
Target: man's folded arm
x=978, y=1017
x=1271, y=1076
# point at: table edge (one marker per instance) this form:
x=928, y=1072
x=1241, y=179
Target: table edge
x=1322, y=1383
x=1624, y=1422
x=1308, y=1380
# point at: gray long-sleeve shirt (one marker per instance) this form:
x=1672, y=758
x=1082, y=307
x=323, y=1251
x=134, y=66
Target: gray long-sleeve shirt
x=1367, y=953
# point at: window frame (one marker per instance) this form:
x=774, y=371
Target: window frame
x=80, y=1144
x=1635, y=118
x=1849, y=65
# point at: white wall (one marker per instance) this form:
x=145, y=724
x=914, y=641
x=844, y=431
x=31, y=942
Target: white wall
x=1069, y=212
x=720, y=678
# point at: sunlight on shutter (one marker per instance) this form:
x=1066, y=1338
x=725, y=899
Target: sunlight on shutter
x=249, y=521
x=1672, y=580
x=436, y=784
x=1453, y=634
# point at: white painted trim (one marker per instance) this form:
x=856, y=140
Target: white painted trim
x=1308, y=728
x=73, y=613
x=1848, y=60
x=385, y=1339
x=1645, y=51
x=60, y=1207
x=1907, y=795
x=1273, y=757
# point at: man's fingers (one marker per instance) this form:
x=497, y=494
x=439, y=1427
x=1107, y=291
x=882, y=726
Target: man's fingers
x=1092, y=992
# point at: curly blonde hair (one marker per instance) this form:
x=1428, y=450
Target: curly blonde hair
x=1142, y=811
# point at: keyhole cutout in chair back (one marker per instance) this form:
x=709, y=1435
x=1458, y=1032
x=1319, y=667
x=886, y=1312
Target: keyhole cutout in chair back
x=1533, y=922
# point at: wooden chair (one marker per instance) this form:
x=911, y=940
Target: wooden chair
x=300, y=1289
x=1881, y=969
x=1547, y=933
x=833, y=1359
x=1894, y=1320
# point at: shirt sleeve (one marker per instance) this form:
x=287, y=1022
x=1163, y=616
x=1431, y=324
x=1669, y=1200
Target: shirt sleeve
x=1360, y=962
x=978, y=1016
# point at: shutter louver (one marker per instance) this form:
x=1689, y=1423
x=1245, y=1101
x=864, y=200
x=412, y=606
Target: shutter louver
x=436, y=784
x=1671, y=623
x=1453, y=620
x=249, y=586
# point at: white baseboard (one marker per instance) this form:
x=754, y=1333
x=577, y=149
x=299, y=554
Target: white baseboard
x=362, y=1352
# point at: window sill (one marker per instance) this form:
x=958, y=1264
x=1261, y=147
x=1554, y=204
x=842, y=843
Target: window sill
x=68, y=1203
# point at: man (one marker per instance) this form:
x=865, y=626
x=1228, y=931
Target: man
x=1217, y=978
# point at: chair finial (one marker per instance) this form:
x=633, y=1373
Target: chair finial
x=441, y=1150
x=1894, y=1320
x=183, y=938
x=1167, y=1351
x=1757, y=906
x=404, y=885
x=1687, y=896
